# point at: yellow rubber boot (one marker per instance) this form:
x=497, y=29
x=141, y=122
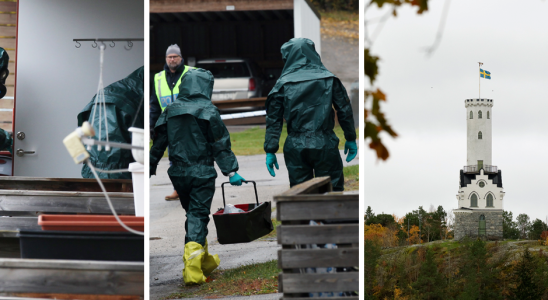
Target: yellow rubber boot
x=194, y=254
x=210, y=262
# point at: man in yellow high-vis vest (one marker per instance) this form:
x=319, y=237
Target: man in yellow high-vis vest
x=166, y=89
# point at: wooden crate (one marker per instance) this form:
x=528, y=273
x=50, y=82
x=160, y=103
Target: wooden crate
x=314, y=200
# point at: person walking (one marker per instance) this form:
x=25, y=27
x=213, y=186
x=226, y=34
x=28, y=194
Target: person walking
x=305, y=95
x=193, y=150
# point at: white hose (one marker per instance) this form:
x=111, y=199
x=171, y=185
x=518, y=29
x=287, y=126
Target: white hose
x=110, y=203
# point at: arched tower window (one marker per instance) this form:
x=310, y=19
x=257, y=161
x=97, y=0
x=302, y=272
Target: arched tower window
x=487, y=114
x=479, y=114
x=490, y=200
x=471, y=115
x=474, y=201
x=479, y=135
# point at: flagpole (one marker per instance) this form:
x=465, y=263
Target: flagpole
x=479, y=81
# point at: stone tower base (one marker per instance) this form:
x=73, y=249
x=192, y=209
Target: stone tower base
x=467, y=223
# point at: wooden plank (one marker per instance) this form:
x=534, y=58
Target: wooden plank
x=76, y=296
x=64, y=184
x=6, y=115
x=6, y=126
x=8, y=6
x=306, y=234
x=333, y=196
x=11, y=225
x=226, y=104
x=318, y=210
x=7, y=43
x=311, y=283
x=51, y=202
x=8, y=19
x=312, y=186
x=318, y=258
x=6, y=103
x=246, y=121
x=8, y=31
x=173, y=6
x=12, y=54
x=71, y=277
x=10, y=81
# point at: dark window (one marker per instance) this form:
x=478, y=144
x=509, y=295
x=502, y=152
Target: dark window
x=479, y=114
x=226, y=69
x=490, y=200
x=474, y=201
x=479, y=135
x=471, y=115
x=488, y=115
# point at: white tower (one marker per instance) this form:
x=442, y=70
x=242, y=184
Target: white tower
x=478, y=127
x=480, y=187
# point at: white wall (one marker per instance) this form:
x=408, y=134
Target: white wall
x=479, y=149
x=466, y=192
x=307, y=24
x=55, y=80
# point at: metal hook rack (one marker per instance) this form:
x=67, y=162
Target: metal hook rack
x=112, y=45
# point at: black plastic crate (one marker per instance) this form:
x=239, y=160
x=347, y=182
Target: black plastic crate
x=78, y=245
x=253, y=223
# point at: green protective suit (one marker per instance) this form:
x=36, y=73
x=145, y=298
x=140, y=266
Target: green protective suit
x=125, y=109
x=304, y=96
x=192, y=128
x=6, y=141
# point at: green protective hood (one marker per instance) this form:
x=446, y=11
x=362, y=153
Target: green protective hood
x=192, y=128
x=302, y=63
x=194, y=97
x=124, y=109
x=4, y=72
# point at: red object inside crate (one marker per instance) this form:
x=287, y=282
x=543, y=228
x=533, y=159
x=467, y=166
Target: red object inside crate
x=89, y=222
x=244, y=207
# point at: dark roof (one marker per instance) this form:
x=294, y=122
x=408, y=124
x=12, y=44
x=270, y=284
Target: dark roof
x=466, y=178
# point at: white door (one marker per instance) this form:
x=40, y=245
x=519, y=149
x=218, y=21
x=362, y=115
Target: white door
x=55, y=80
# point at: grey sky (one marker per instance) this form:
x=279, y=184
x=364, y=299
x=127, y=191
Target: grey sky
x=426, y=103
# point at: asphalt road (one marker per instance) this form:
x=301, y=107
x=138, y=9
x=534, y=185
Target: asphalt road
x=167, y=222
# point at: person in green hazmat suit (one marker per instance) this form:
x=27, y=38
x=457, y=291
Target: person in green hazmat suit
x=192, y=128
x=305, y=95
x=6, y=139
x=124, y=109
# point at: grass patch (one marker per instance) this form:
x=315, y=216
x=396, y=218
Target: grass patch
x=251, y=141
x=340, y=24
x=253, y=279
x=351, y=178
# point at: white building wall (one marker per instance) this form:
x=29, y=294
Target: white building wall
x=307, y=24
x=465, y=193
x=479, y=149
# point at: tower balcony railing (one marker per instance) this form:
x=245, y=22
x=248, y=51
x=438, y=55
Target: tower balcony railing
x=476, y=169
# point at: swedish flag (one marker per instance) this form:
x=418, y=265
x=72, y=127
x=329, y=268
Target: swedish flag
x=485, y=74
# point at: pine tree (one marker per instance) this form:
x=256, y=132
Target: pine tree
x=430, y=284
x=529, y=285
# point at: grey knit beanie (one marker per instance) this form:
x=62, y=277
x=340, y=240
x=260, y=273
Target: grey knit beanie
x=173, y=49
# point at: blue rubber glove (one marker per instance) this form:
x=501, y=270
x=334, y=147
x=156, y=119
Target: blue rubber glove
x=352, y=149
x=271, y=161
x=236, y=180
